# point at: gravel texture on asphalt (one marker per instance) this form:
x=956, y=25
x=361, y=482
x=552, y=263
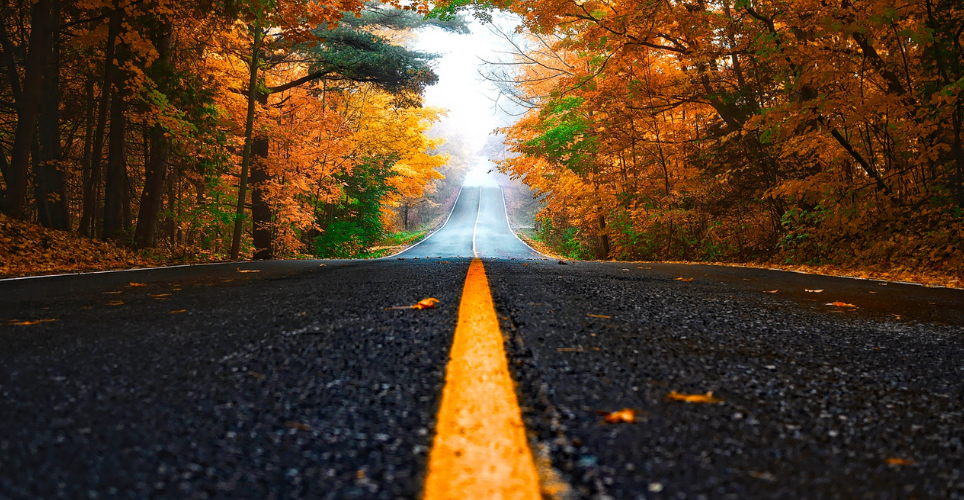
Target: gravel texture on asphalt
x=291, y=381
x=819, y=401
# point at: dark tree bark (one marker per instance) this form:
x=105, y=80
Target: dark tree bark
x=39, y=45
x=113, y=30
x=88, y=186
x=248, y=131
x=160, y=148
x=116, y=193
x=260, y=210
x=50, y=191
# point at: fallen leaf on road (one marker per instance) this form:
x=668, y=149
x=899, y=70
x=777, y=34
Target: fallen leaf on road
x=259, y=376
x=160, y=295
x=839, y=304
x=116, y=303
x=576, y=349
x=113, y=293
x=249, y=270
x=648, y=268
x=684, y=279
x=321, y=265
x=137, y=284
x=693, y=398
x=297, y=425
x=599, y=316
x=29, y=322
x=812, y=291
x=624, y=416
x=428, y=303
x=899, y=461
x=771, y=291
x=178, y=311
x=896, y=316
x=766, y=476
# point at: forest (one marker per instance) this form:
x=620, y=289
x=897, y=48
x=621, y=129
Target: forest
x=219, y=129
x=788, y=131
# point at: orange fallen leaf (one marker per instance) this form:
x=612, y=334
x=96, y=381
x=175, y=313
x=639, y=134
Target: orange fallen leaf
x=116, y=303
x=599, y=316
x=160, y=295
x=684, y=279
x=899, y=461
x=321, y=265
x=839, y=304
x=626, y=415
x=771, y=291
x=248, y=270
x=428, y=303
x=297, y=425
x=178, y=311
x=693, y=398
x=137, y=284
x=29, y=322
x=812, y=291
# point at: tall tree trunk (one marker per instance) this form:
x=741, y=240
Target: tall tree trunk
x=260, y=211
x=116, y=193
x=51, y=193
x=113, y=30
x=88, y=184
x=40, y=42
x=246, y=152
x=160, y=148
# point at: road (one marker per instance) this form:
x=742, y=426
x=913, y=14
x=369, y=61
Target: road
x=300, y=379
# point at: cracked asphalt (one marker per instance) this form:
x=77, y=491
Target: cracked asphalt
x=298, y=379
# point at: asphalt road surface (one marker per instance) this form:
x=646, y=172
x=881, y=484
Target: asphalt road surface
x=297, y=379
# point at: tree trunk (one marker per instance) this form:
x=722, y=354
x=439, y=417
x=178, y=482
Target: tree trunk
x=113, y=30
x=116, y=193
x=50, y=191
x=246, y=152
x=603, y=237
x=40, y=42
x=88, y=184
x=260, y=211
x=160, y=148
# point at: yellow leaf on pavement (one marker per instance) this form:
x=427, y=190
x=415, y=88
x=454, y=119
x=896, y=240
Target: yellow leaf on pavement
x=428, y=303
x=626, y=416
x=693, y=398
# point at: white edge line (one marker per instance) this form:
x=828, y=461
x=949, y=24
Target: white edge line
x=18, y=278
x=475, y=228
x=423, y=240
x=505, y=209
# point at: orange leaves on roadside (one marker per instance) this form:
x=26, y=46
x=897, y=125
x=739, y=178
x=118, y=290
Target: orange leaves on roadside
x=839, y=304
x=771, y=291
x=812, y=291
x=624, y=416
x=686, y=280
x=29, y=322
x=116, y=303
x=132, y=284
x=603, y=316
x=693, y=398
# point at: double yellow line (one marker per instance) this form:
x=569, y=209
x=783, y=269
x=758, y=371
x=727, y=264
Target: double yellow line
x=480, y=449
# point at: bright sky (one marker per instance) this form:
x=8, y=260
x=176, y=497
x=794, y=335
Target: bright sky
x=461, y=90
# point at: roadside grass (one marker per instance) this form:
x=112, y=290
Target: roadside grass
x=393, y=243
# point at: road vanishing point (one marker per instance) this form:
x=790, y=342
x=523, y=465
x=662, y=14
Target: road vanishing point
x=312, y=379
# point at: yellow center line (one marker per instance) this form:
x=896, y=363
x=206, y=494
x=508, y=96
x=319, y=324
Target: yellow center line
x=480, y=449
